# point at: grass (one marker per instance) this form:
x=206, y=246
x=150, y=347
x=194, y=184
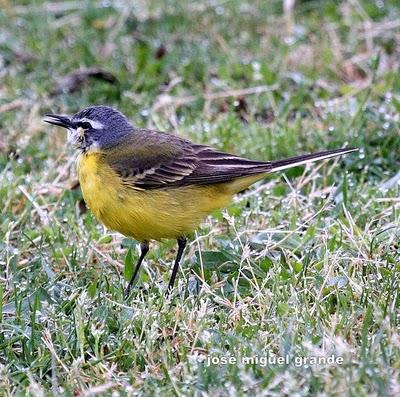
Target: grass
x=305, y=264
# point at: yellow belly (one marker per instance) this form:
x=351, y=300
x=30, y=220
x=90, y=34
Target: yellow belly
x=149, y=214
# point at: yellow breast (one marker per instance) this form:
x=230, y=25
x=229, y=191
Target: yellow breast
x=148, y=214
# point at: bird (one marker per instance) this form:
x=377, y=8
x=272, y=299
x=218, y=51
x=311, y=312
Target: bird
x=151, y=185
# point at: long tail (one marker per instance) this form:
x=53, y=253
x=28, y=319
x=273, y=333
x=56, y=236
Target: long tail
x=308, y=158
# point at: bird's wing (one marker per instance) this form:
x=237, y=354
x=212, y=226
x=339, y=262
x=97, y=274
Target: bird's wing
x=151, y=160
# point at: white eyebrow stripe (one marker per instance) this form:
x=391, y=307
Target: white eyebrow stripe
x=95, y=124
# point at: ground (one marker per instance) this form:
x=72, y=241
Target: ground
x=305, y=264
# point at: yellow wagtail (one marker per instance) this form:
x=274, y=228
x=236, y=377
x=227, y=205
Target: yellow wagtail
x=151, y=185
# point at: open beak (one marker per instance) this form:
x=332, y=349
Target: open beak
x=57, y=119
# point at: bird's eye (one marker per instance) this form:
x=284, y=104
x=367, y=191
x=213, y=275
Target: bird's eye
x=85, y=125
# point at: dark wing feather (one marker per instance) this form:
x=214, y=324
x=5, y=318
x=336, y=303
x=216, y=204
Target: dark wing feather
x=151, y=160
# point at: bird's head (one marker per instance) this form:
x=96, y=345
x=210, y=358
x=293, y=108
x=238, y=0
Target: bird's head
x=94, y=128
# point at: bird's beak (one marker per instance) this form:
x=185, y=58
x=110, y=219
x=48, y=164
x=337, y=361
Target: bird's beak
x=57, y=119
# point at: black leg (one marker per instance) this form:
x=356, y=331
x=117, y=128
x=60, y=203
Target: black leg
x=144, y=249
x=181, y=247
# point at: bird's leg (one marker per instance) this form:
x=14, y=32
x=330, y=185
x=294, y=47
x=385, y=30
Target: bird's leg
x=144, y=249
x=181, y=247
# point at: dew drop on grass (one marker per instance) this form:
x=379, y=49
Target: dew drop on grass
x=256, y=66
x=289, y=40
x=219, y=10
x=388, y=97
x=380, y=3
x=145, y=113
x=214, y=141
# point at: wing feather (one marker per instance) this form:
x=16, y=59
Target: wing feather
x=152, y=160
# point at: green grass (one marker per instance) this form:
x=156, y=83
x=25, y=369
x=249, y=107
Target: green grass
x=304, y=264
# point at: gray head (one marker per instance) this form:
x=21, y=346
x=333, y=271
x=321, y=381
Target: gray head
x=96, y=127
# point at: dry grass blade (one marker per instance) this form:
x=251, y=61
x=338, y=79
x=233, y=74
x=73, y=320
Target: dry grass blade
x=79, y=78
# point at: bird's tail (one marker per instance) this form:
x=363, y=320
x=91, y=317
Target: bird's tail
x=278, y=165
x=262, y=168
